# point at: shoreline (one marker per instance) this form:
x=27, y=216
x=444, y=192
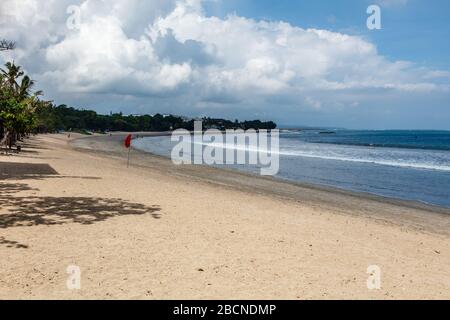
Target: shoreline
x=389, y=210
x=322, y=187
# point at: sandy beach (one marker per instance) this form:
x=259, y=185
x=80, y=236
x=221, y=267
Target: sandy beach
x=160, y=231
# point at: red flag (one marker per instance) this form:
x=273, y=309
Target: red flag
x=128, y=141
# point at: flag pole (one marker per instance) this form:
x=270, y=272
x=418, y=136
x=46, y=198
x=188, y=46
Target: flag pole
x=128, y=161
x=128, y=142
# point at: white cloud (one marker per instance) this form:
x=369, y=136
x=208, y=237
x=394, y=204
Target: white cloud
x=271, y=57
x=160, y=48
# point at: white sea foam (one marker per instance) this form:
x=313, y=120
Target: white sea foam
x=404, y=158
x=417, y=159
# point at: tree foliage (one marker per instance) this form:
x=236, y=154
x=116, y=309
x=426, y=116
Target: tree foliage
x=18, y=104
x=63, y=118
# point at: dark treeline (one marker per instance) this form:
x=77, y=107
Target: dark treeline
x=63, y=118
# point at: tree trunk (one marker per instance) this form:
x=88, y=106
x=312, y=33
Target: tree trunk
x=12, y=139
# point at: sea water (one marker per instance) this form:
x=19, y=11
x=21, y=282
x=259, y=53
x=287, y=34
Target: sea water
x=410, y=165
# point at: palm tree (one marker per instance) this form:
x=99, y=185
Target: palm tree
x=25, y=86
x=10, y=76
x=17, y=103
x=4, y=46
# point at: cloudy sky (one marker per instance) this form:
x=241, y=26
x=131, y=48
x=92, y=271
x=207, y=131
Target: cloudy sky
x=296, y=62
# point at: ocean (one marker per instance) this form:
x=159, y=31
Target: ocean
x=408, y=165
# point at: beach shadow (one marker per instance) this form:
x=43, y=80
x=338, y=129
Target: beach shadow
x=38, y=171
x=11, y=188
x=12, y=244
x=18, y=170
x=23, y=156
x=28, y=145
x=27, y=151
x=78, y=177
x=34, y=211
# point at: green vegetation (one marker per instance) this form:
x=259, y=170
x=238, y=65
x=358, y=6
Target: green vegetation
x=22, y=112
x=18, y=105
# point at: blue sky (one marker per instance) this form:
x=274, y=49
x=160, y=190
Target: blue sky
x=311, y=63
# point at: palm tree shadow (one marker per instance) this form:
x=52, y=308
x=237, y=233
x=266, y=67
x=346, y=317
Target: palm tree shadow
x=34, y=211
x=12, y=244
x=11, y=188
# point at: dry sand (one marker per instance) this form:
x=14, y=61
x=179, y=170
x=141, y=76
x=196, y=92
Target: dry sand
x=156, y=231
